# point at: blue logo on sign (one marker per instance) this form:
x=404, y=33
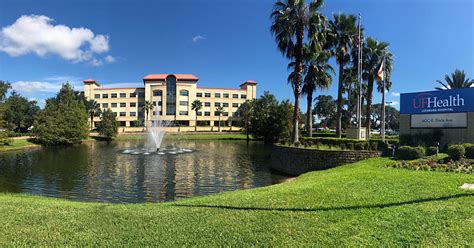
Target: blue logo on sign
x=442, y=101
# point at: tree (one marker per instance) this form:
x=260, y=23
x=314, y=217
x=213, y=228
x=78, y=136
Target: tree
x=108, y=125
x=325, y=107
x=19, y=112
x=147, y=106
x=457, y=80
x=245, y=112
x=63, y=121
x=373, y=54
x=4, y=87
x=219, y=111
x=291, y=19
x=93, y=109
x=343, y=29
x=196, y=106
x=318, y=75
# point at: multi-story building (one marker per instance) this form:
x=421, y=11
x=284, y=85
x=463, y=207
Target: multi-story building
x=172, y=96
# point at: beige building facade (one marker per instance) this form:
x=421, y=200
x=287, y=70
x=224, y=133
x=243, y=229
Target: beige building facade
x=172, y=96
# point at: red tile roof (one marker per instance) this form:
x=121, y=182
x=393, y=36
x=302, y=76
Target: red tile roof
x=250, y=82
x=182, y=77
x=91, y=81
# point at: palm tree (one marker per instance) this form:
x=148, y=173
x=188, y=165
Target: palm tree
x=457, y=80
x=342, y=32
x=317, y=75
x=291, y=20
x=245, y=112
x=147, y=106
x=219, y=111
x=93, y=109
x=196, y=106
x=373, y=54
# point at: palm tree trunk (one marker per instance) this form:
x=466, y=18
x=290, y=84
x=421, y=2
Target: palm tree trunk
x=219, y=125
x=92, y=121
x=339, y=102
x=309, y=115
x=297, y=84
x=196, y=124
x=370, y=89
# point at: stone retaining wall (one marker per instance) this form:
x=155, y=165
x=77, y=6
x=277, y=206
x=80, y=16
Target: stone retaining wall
x=295, y=161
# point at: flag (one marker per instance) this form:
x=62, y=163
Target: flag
x=381, y=71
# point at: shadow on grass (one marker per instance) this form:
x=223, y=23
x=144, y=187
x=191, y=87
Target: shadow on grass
x=373, y=206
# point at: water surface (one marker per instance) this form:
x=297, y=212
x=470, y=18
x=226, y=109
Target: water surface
x=97, y=171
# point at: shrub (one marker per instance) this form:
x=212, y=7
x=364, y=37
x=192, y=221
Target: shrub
x=469, y=151
x=361, y=145
x=5, y=140
x=409, y=153
x=374, y=145
x=456, y=152
x=431, y=150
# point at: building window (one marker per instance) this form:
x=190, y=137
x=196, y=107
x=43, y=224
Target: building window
x=235, y=105
x=199, y=113
x=133, y=94
x=97, y=96
x=225, y=104
x=183, y=103
x=133, y=104
x=114, y=105
x=159, y=103
x=105, y=95
x=226, y=95
x=105, y=105
x=157, y=93
x=171, y=95
x=184, y=93
x=123, y=95
x=217, y=104
x=133, y=113
x=113, y=95
x=207, y=113
x=123, y=105
x=243, y=96
x=141, y=95
x=216, y=113
x=123, y=114
x=225, y=113
x=217, y=95
x=199, y=94
x=207, y=104
x=183, y=112
x=207, y=94
x=141, y=114
x=235, y=95
x=141, y=104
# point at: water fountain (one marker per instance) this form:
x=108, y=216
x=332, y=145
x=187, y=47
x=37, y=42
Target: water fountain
x=155, y=132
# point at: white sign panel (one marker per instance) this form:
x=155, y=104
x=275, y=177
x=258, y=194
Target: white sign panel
x=446, y=120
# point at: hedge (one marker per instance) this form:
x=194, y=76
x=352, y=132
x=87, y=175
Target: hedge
x=410, y=153
x=456, y=152
x=469, y=151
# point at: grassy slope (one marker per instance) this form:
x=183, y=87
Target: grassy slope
x=17, y=145
x=359, y=204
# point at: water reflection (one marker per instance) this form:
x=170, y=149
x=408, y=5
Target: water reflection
x=98, y=171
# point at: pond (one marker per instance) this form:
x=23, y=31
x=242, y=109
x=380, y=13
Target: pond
x=97, y=171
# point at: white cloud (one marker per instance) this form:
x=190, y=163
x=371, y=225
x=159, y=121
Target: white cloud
x=198, y=38
x=395, y=94
x=109, y=59
x=39, y=35
x=35, y=86
x=62, y=79
x=96, y=62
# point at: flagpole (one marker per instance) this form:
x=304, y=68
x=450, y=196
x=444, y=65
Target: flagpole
x=359, y=75
x=383, y=100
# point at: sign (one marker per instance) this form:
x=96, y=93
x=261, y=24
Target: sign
x=440, y=101
x=446, y=120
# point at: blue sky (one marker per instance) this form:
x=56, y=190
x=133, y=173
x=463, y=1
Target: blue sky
x=222, y=42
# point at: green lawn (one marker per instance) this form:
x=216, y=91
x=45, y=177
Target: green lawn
x=363, y=204
x=18, y=144
x=193, y=136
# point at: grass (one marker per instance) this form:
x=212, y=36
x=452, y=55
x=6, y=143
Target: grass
x=194, y=136
x=18, y=144
x=362, y=204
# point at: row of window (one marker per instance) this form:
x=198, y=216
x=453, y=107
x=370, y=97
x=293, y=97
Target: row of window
x=160, y=93
x=155, y=113
x=218, y=95
x=122, y=95
x=207, y=113
x=159, y=103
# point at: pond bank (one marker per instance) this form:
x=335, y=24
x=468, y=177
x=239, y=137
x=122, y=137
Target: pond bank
x=361, y=204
